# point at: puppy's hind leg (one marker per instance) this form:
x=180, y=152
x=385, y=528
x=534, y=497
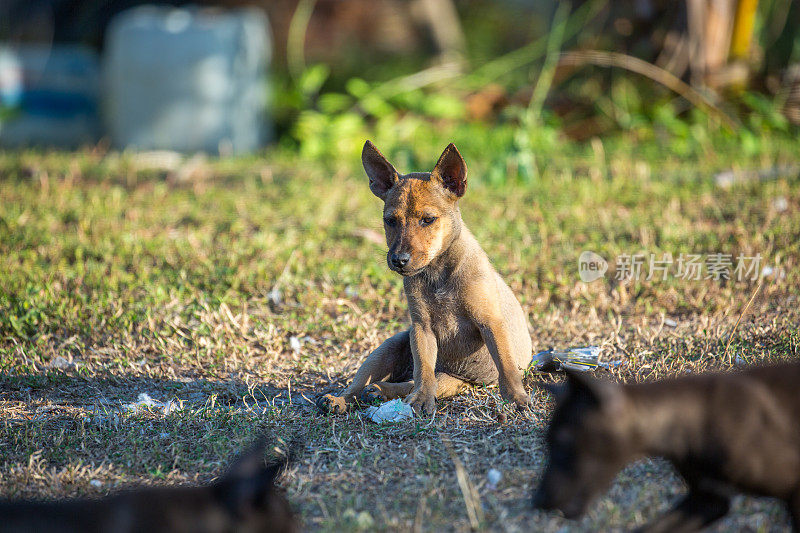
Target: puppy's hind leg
x=389, y=360
x=446, y=387
x=383, y=391
x=693, y=513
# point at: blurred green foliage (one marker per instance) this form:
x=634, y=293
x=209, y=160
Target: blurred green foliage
x=326, y=115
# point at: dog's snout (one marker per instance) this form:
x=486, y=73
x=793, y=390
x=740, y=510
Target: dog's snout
x=540, y=500
x=400, y=260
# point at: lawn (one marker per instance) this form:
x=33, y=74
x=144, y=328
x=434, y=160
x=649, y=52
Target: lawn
x=240, y=288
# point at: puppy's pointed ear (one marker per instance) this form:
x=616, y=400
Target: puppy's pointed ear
x=605, y=394
x=251, y=460
x=248, y=484
x=382, y=175
x=451, y=170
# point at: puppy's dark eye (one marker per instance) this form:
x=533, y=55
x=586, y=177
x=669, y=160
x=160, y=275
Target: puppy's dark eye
x=427, y=221
x=390, y=221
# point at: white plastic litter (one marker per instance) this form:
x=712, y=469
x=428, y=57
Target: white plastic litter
x=392, y=411
x=144, y=400
x=351, y=292
x=61, y=363
x=493, y=478
x=275, y=296
x=294, y=344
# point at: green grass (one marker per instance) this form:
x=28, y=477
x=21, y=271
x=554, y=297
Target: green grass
x=143, y=281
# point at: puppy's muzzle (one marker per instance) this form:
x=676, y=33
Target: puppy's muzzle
x=400, y=261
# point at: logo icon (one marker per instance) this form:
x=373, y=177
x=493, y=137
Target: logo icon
x=591, y=266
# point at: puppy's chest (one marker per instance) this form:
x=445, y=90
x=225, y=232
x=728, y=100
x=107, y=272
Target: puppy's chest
x=446, y=313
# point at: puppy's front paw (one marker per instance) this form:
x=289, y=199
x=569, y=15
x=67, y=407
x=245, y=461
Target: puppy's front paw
x=517, y=396
x=328, y=403
x=523, y=403
x=372, y=394
x=423, y=401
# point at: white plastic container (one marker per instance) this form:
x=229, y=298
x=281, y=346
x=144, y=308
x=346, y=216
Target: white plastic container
x=187, y=79
x=48, y=95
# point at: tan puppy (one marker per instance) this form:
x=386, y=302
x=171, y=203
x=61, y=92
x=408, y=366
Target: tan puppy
x=466, y=324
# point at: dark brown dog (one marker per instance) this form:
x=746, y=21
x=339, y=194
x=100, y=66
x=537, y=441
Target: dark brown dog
x=723, y=432
x=243, y=500
x=466, y=324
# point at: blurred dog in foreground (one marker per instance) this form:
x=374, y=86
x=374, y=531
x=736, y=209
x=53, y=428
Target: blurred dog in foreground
x=244, y=500
x=724, y=433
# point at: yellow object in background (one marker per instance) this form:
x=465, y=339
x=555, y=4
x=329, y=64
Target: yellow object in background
x=743, y=23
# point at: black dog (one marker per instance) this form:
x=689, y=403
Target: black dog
x=723, y=432
x=245, y=499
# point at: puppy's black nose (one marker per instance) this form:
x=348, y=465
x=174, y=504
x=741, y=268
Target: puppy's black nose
x=400, y=260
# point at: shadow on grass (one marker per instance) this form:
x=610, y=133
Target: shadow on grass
x=70, y=388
